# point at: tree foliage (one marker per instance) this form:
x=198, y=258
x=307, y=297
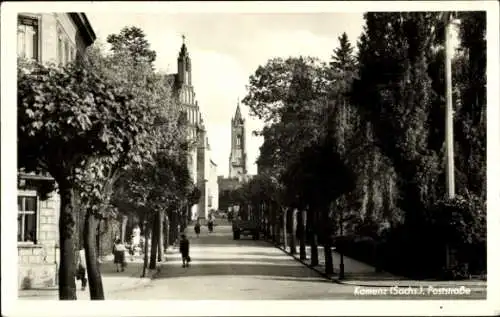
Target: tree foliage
x=132, y=40
x=68, y=117
x=374, y=122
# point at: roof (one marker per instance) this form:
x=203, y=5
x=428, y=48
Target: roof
x=237, y=115
x=83, y=25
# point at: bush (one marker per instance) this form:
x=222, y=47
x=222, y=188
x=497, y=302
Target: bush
x=417, y=249
x=462, y=221
x=357, y=247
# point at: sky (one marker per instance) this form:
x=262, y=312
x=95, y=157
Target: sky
x=225, y=49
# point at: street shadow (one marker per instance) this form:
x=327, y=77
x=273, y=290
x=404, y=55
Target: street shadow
x=271, y=254
x=299, y=279
x=219, y=260
x=133, y=269
x=244, y=267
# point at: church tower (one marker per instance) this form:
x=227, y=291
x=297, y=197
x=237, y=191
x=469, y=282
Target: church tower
x=238, y=156
x=184, y=65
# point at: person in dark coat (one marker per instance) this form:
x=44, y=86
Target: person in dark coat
x=197, y=228
x=184, y=249
x=210, y=224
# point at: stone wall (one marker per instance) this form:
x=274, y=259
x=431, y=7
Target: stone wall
x=38, y=262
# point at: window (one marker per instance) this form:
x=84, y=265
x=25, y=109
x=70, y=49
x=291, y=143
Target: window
x=238, y=140
x=27, y=37
x=26, y=218
x=60, y=49
x=66, y=51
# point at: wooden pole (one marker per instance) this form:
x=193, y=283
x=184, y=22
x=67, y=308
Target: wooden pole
x=450, y=175
x=450, y=168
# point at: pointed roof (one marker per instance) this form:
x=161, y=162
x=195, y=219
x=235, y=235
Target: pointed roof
x=183, y=52
x=237, y=115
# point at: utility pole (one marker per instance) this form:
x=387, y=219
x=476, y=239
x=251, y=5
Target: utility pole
x=450, y=165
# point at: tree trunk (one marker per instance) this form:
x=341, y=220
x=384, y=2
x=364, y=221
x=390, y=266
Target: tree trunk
x=272, y=222
x=89, y=243
x=167, y=230
x=161, y=239
x=123, y=228
x=155, y=241
x=67, y=270
x=327, y=244
x=293, y=232
x=146, y=248
x=98, y=240
x=303, y=234
x=285, y=236
x=175, y=227
x=276, y=225
x=314, y=236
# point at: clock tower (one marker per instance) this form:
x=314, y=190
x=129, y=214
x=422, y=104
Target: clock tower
x=238, y=156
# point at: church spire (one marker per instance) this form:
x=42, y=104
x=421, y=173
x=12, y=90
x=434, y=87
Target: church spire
x=237, y=115
x=183, y=52
x=184, y=64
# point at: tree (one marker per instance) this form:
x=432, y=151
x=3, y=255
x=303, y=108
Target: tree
x=135, y=74
x=471, y=108
x=401, y=79
x=293, y=97
x=402, y=103
x=66, y=118
x=132, y=40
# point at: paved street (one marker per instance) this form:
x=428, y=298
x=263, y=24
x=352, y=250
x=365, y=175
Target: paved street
x=224, y=269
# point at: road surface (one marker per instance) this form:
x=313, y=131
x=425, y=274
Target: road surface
x=225, y=269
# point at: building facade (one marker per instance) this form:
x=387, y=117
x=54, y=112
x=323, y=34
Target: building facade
x=65, y=37
x=199, y=162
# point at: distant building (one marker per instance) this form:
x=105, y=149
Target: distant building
x=238, y=174
x=238, y=156
x=65, y=37
x=199, y=163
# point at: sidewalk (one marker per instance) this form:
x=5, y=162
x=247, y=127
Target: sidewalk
x=112, y=281
x=361, y=274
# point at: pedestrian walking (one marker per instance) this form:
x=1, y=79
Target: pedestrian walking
x=184, y=249
x=119, y=254
x=210, y=224
x=81, y=268
x=197, y=228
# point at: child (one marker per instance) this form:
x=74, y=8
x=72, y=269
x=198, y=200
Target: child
x=184, y=249
x=119, y=253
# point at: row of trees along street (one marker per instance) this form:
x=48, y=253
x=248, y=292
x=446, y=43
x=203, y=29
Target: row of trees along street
x=357, y=146
x=110, y=132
